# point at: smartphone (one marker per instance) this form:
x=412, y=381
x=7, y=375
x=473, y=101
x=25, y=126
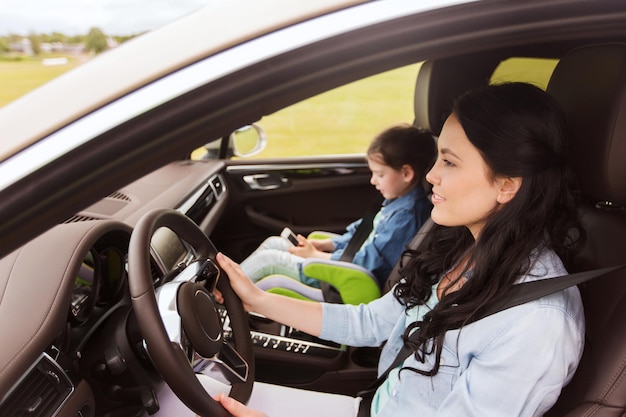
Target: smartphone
x=289, y=235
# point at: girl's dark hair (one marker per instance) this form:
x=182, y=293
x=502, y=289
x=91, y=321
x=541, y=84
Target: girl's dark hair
x=520, y=132
x=405, y=144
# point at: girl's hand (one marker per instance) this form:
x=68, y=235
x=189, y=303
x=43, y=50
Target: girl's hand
x=307, y=249
x=323, y=245
x=236, y=408
x=241, y=284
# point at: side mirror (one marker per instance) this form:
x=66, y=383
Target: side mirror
x=248, y=140
x=244, y=142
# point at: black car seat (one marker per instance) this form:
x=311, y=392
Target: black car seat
x=590, y=84
x=438, y=84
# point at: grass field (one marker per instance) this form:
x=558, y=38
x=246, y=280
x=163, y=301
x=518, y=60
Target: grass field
x=343, y=120
x=17, y=77
x=340, y=121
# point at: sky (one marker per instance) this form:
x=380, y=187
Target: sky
x=77, y=17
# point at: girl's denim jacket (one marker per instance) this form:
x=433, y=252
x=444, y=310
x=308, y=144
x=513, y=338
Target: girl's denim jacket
x=397, y=223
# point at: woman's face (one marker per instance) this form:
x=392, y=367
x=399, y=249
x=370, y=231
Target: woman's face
x=463, y=194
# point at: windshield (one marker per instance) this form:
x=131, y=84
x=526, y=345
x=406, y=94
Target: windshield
x=40, y=40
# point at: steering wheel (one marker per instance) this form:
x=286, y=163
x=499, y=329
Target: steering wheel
x=181, y=322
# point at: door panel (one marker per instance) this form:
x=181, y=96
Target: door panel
x=316, y=194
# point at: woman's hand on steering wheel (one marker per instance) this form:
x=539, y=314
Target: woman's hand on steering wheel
x=249, y=294
x=236, y=408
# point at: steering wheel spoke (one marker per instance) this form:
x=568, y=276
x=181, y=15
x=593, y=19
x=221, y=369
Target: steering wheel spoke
x=228, y=366
x=167, y=305
x=203, y=272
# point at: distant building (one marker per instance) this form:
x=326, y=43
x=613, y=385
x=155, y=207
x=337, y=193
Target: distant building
x=24, y=46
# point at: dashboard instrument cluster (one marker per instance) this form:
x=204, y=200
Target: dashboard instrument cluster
x=99, y=282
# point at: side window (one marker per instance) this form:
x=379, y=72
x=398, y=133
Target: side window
x=535, y=71
x=343, y=120
x=340, y=121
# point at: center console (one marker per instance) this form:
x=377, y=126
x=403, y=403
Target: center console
x=288, y=356
x=271, y=336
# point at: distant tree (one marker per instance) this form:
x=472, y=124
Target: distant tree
x=13, y=38
x=57, y=37
x=124, y=38
x=76, y=39
x=4, y=45
x=96, y=41
x=52, y=37
x=35, y=43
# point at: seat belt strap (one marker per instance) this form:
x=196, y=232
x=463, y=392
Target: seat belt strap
x=518, y=295
x=362, y=231
x=531, y=290
x=330, y=293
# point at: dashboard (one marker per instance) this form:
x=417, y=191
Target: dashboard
x=80, y=350
x=80, y=345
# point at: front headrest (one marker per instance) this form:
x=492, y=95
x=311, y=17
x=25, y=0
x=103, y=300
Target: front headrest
x=440, y=82
x=590, y=84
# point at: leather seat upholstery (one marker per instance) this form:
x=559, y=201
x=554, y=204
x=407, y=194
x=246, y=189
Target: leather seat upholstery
x=590, y=84
x=439, y=83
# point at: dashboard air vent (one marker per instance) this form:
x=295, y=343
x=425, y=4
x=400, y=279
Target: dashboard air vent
x=218, y=185
x=40, y=393
x=119, y=196
x=78, y=218
x=156, y=274
x=199, y=205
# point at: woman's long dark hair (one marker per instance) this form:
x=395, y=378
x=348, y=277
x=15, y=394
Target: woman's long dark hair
x=520, y=132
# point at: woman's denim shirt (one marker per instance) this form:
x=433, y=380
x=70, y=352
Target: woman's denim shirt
x=513, y=363
x=397, y=223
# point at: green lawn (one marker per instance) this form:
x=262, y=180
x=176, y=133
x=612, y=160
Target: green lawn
x=17, y=77
x=343, y=120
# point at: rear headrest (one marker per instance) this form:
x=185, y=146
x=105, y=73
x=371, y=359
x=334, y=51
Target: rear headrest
x=440, y=82
x=590, y=84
